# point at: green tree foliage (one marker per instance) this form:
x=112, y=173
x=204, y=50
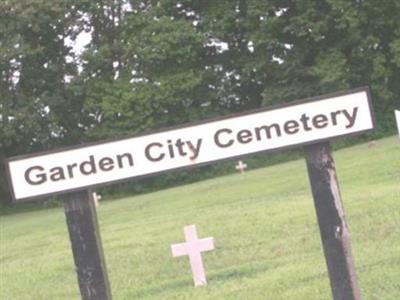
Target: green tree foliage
x=39, y=108
x=338, y=44
x=156, y=78
x=152, y=64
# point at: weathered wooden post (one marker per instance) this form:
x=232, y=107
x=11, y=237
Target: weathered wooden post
x=80, y=212
x=335, y=234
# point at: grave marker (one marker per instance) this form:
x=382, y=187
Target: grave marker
x=96, y=199
x=310, y=123
x=193, y=247
x=241, y=167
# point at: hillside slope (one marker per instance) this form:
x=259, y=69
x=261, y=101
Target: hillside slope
x=263, y=222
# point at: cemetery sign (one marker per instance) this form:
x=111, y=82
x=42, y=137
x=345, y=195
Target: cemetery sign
x=298, y=123
x=311, y=123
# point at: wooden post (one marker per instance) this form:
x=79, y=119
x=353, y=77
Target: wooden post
x=86, y=246
x=335, y=235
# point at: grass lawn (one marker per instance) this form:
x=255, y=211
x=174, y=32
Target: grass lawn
x=264, y=224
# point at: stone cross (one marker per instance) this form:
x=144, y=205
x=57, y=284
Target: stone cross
x=241, y=166
x=193, y=248
x=397, y=115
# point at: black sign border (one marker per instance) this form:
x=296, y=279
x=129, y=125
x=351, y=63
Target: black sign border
x=231, y=116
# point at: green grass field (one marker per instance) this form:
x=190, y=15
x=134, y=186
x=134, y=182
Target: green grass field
x=264, y=224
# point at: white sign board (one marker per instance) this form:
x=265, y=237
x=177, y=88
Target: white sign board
x=299, y=123
x=397, y=116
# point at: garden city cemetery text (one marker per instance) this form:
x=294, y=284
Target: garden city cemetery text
x=192, y=145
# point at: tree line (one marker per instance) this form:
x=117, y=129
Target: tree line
x=153, y=64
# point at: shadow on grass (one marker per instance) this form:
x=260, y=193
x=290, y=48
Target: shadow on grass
x=249, y=271
x=214, y=279
x=154, y=292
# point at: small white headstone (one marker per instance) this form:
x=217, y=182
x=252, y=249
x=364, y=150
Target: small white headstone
x=241, y=166
x=193, y=248
x=397, y=115
x=96, y=199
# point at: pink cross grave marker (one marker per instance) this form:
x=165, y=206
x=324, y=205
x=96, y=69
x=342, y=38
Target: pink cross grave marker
x=193, y=248
x=241, y=166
